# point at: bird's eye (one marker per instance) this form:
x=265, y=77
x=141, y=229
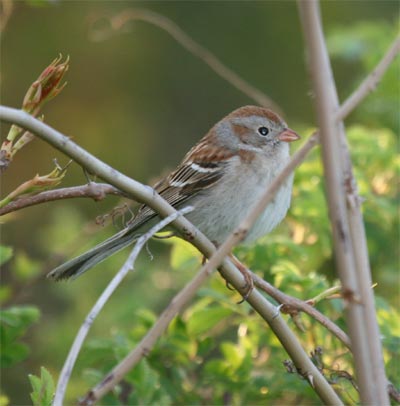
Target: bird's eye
x=263, y=131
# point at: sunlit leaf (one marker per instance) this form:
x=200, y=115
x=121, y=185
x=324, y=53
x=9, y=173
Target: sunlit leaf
x=43, y=388
x=5, y=254
x=206, y=319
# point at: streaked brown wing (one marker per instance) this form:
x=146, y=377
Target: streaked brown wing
x=186, y=181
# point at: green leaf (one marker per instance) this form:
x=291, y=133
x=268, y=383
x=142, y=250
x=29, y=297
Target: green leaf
x=233, y=354
x=5, y=254
x=13, y=353
x=4, y=401
x=5, y=293
x=20, y=316
x=26, y=268
x=205, y=319
x=183, y=255
x=14, y=322
x=43, y=388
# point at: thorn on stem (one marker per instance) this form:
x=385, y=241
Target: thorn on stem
x=278, y=311
x=310, y=379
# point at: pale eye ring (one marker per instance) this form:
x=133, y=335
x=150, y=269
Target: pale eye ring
x=263, y=131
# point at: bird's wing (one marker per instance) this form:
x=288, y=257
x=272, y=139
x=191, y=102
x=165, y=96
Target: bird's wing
x=202, y=168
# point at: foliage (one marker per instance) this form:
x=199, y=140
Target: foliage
x=43, y=388
x=5, y=254
x=14, y=322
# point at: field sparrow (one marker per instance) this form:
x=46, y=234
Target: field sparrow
x=222, y=177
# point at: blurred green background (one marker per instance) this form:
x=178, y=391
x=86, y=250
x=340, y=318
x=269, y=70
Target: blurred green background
x=139, y=101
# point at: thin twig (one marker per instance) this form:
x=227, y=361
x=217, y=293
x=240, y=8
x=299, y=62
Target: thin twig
x=393, y=393
x=96, y=191
x=6, y=10
x=118, y=21
x=108, y=291
x=371, y=81
x=299, y=305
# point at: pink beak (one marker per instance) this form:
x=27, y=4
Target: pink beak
x=288, y=135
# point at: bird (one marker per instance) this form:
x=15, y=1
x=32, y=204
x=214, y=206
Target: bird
x=221, y=178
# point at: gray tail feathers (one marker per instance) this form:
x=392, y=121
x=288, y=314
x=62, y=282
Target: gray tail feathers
x=77, y=266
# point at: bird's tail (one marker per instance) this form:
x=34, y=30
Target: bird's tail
x=77, y=266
